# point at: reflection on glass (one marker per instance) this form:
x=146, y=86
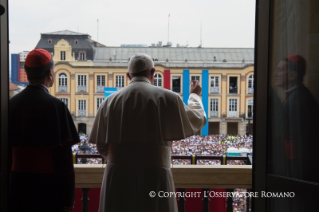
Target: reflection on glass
x=294, y=122
x=293, y=102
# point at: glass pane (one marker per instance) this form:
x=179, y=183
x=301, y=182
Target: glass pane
x=294, y=90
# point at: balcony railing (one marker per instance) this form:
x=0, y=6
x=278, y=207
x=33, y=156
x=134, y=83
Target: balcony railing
x=232, y=114
x=82, y=112
x=185, y=176
x=100, y=88
x=81, y=88
x=214, y=90
x=214, y=113
x=62, y=88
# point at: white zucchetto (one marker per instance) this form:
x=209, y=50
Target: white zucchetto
x=140, y=62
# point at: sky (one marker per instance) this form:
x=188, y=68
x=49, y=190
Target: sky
x=218, y=23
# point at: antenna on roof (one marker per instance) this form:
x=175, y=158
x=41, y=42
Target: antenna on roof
x=200, y=34
x=200, y=45
x=168, y=29
x=97, y=37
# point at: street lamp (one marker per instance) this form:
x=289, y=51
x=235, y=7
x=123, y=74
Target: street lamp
x=84, y=147
x=248, y=119
x=248, y=133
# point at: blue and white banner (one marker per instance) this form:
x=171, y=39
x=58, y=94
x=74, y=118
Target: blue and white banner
x=108, y=91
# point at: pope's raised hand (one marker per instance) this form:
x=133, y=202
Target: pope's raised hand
x=195, y=87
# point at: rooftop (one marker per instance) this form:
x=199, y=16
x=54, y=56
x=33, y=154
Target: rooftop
x=63, y=32
x=176, y=54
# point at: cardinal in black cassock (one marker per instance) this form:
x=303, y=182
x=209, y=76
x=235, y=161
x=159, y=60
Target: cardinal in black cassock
x=41, y=133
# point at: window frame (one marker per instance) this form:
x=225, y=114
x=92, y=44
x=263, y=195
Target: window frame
x=196, y=75
x=81, y=103
x=99, y=82
x=158, y=79
x=211, y=107
x=116, y=81
x=67, y=101
x=63, y=55
x=98, y=102
x=181, y=83
x=238, y=84
x=250, y=80
x=63, y=81
x=82, y=82
x=210, y=84
x=229, y=107
x=82, y=56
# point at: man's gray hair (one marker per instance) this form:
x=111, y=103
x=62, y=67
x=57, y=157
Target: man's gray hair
x=139, y=63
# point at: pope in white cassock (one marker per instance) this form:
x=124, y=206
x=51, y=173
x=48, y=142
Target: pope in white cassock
x=134, y=129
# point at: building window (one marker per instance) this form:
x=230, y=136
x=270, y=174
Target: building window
x=62, y=55
x=251, y=84
x=82, y=56
x=233, y=85
x=119, y=81
x=214, y=107
x=214, y=84
x=82, y=107
x=81, y=83
x=176, y=84
x=196, y=78
x=100, y=83
x=99, y=102
x=158, y=80
x=63, y=83
x=232, y=107
x=49, y=41
x=65, y=101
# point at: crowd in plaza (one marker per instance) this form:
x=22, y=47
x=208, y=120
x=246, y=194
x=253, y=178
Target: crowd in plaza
x=240, y=201
x=92, y=150
x=210, y=145
x=199, y=145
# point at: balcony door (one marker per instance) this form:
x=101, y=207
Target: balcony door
x=100, y=83
x=214, y=84
x=81, y=83
x=232, y=108
x=214, y=107
x=82, y=107
x=176, y=84
x=286, y=113
x=119, y=82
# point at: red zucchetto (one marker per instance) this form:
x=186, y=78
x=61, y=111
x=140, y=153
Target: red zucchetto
x=37, y=58
x=297, y=60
